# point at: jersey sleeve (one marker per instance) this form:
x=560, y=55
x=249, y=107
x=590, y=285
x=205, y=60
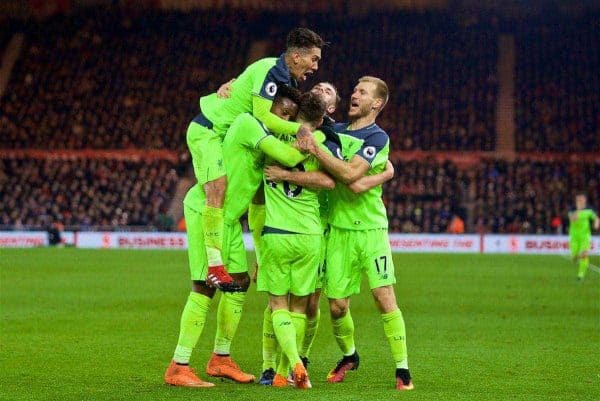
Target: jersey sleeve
x=265, y=84
x=333, y=148
x=254, y=131
x=372, y=146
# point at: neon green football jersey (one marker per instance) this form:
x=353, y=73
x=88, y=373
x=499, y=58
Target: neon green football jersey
x=244, y=163
x=293, y=208
x=364, y=211
x=581, y=226
x=260, y=78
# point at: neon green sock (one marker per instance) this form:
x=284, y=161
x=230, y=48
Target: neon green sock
x=343, y=331
x=285, y=331
x=309, y=335
x=299, y=321
x=269, y=342
x=583, y=266
x=393, y=326
x=256, y=223
x=193, y=318
x=212, y=224
x=228, y=318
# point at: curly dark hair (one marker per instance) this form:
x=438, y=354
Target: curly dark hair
x=311, y=108
x=284, y=91
x=304, y=38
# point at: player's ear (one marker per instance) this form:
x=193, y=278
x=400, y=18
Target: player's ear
x=330, y=109
x=377, y=104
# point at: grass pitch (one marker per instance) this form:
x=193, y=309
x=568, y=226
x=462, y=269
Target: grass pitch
x=102, y=325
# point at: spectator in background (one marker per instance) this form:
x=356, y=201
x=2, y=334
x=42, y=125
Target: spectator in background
x=457, y=225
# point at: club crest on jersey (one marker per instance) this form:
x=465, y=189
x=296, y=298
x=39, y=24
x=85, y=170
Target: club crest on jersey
x=271, y=88
x=369, y=152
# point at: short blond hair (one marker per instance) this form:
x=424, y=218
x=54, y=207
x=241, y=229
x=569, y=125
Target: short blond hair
x=381, y=88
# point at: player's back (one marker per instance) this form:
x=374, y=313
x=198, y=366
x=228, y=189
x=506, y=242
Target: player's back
x=254, y=80
x=366, y=210
x=293, y=208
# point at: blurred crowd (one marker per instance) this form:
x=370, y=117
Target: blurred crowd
x=106, y=80
x=425, y=195
x=82, y=193
x=531, y=197
x=441, y=71
x=558, y=85
x=493, y=196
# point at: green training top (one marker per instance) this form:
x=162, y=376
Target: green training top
x=364, y=211
x=261, y=79
x=581, y=226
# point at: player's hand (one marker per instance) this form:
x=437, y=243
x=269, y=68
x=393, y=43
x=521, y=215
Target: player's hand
x=275, y=173
x=305, y=142
x=224, y=91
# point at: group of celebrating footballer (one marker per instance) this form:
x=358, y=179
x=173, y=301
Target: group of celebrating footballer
x=312, y=189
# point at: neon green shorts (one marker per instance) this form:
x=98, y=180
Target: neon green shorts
x=289, y=264
x=577, y=245
x=233, y=253
x=206, y=148
x=322, y=261
x=350, y=253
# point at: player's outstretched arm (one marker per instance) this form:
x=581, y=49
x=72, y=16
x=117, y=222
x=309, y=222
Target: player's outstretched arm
x=280, y=151
x=346, y=172
x=596, y=222
x=308, y=179
x=261, y=109
x=371, y=181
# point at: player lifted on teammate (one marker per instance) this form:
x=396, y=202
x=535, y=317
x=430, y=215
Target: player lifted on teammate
x=580, y=233
x=252, y=92
x=358, y=241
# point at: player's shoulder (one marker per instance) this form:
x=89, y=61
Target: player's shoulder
x=372, y=130
x=275, y=67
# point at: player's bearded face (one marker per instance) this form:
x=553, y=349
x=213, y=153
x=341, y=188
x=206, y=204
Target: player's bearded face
x=327, y=94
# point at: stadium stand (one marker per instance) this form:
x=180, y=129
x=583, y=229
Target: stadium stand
x=530, y=196
x=105, y=80
x=558, y=85
x=442, y=71
x=85, y=193
x=424, y=196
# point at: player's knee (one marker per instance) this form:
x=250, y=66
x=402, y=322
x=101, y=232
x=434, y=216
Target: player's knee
x=338, y=308
x=242, y=279
x=385, y=298
x=215, y=191
x=202, y=288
